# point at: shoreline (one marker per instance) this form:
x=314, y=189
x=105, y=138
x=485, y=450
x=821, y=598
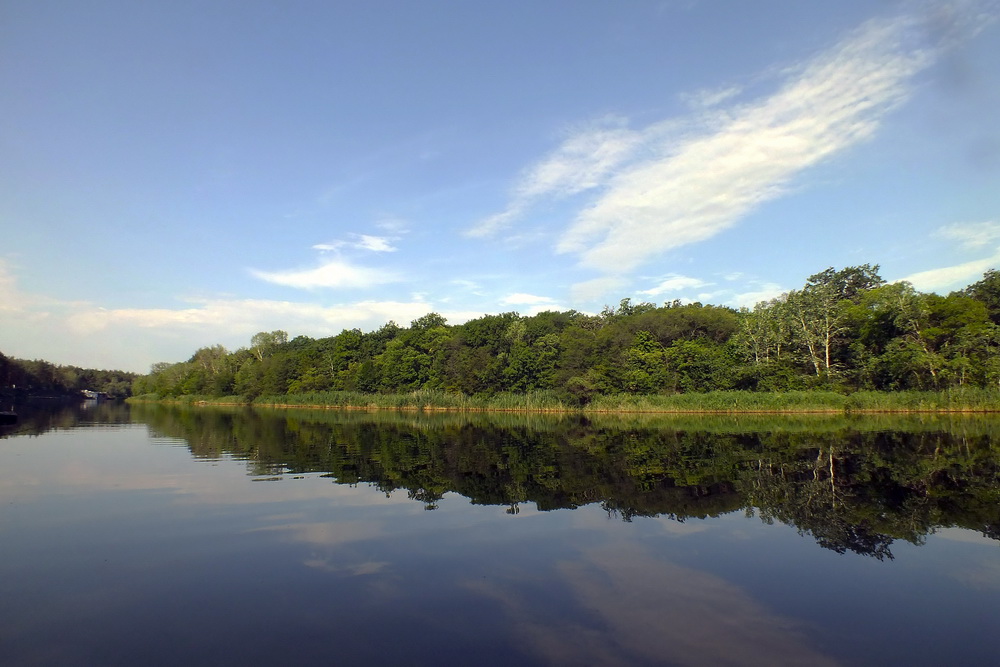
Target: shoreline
x=584, y=411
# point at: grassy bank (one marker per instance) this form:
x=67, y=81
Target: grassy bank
x=717, y=402
x=965, y=400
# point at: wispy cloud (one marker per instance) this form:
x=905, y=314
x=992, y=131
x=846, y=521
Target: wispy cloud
x=596, y=288
x=337, y=272
x=393, y=225
x=685, y=180
x=748, y=292
x=675, y=282
x=247, y=316
x=360, y=242
x=693, y=189
x=971, y=235
x=582, y=162
x=952, y=277
x=704, y=99
x=470, y=286
x=522, y=299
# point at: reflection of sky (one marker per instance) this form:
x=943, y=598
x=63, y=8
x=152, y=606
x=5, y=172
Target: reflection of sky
x=647, y=610
x=118, y=551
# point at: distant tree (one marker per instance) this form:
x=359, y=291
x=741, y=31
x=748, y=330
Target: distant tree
x=987, y=291
x=428, y=321
x=264, y=343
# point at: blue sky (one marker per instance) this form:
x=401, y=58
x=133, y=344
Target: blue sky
x=180, y=174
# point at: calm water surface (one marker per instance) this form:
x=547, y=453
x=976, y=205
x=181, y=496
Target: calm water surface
x=162, y=535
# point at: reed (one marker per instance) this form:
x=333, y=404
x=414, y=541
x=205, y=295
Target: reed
x=724, y=402
x=425, y=399
x=962, y=399
x=716, y=402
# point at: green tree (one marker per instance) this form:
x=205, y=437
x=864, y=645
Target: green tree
x=645, y=366
x=987, y=291
x=265, y=343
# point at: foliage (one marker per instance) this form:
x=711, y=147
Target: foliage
x=22, y=377
x=844, y=331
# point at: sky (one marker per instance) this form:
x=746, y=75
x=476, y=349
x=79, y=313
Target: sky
x=181, y=174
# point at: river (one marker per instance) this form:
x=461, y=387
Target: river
x=157, y=534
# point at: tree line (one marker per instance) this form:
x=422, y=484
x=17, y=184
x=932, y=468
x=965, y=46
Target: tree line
x=23, y=377
x=844, y=329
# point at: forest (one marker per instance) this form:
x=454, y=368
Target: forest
x=22, y=377
x=844, y=330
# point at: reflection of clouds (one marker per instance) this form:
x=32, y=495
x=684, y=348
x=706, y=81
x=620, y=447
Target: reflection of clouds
x=984, y=574
x=332, y=537
x=361, y=569
x=326, y=533
x=675, y=527
x=964, y=535
x=649, y=610
x=982, y=570
x=120, y=460
x=658, y=609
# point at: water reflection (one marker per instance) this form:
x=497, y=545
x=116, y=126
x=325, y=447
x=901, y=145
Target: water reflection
x=856, y=486
x=42, y=415
x=127, y=535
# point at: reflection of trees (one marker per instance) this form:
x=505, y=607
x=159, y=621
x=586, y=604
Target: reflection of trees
x=853, y=491
x=41, y=415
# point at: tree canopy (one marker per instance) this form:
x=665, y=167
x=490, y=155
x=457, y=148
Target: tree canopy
x=845, y=329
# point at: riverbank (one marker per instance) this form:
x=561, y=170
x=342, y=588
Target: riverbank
x=716, y=402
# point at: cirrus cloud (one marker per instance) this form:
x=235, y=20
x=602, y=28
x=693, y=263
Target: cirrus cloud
x=952, y=277
x=684, y=180
x=971, y=234
x=697, y=186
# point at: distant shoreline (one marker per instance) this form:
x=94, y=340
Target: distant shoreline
x=964, y=401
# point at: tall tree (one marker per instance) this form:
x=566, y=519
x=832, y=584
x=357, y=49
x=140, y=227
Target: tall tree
x=264, y=343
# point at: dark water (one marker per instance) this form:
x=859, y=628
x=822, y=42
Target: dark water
x=161, y=535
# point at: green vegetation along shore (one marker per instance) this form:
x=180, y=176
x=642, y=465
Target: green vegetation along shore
x=954, y=400
x=21, y=378
x=847, y=341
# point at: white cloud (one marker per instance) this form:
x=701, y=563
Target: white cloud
x=749, y=299
x=596, y=289
x=241, y=317
x=363, y=242
x=84, y=334
x=393, y=225
x=522, y=299
x=971, y=234
x=952, y=277
x=544, y=308
x=492, y=224
x=674, y=283
x=582, y=162
x=469, y=285
x=332, y=273
x=694, y=189
x=703, y=99
x=754, y=291
x=375, y=243
x=681, y=181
